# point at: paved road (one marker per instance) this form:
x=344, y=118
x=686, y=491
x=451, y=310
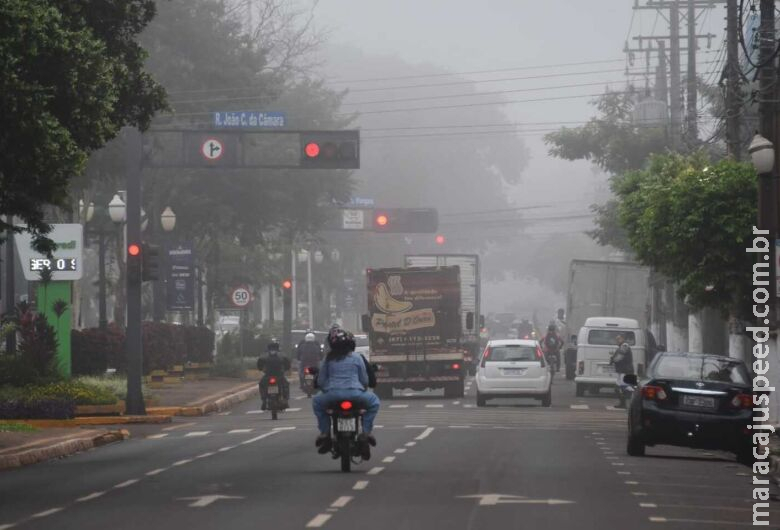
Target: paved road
x=440, y=463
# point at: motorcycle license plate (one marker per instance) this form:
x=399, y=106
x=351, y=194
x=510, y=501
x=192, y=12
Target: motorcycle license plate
x=273, y=390
x=308, y=378
x=346, y=424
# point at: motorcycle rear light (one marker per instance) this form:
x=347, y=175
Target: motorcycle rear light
x=653, y=392
x=272, y=381
x=306, y=371
x=581, y=367
x=346, y=405
x=455, y=366
x=742, y=401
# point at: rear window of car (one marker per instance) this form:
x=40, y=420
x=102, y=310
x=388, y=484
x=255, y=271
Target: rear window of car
x=512, y=353
x=701, y=369
x=608, y=337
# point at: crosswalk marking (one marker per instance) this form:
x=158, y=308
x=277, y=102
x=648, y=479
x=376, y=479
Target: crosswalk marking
x=240, y=431
x=197, y=433
x=580, y=407
x=399, y=406
x=434, y=406
x=255, y=411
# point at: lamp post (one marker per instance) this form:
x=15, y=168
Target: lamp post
x=168, y=223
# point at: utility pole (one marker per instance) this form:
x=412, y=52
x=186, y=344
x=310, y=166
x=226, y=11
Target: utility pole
x=733, y=94
x=675, y=107
x=10, y=294
x=661, y=86
x=692, y=126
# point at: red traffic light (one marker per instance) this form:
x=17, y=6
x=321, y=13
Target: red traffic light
x=287, y=284
x=133, y=249
x=381, y=220
x=440, y=239
x=312, y=150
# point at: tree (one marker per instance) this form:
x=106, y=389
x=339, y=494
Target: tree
x=691, y=220
x=71, y=75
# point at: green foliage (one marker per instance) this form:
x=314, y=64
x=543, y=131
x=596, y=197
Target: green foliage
x=70, y=77
x=16, y=427
x=691, y=220
x=115, y=384
x=79, y=392
x=16, y=371
x=38, y=346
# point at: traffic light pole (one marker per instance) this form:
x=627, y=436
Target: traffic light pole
x=133, y=337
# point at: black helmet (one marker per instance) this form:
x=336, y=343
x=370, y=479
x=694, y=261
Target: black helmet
x=341, y=340
x=273, y=346
x=552, y=327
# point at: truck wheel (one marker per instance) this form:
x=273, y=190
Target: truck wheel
x=580, y=390
x=481, y=401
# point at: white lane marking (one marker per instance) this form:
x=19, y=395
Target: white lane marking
x=157, y=436
x=240, y=431
x=294, y=410
x=610, y=407
x=410, y=444
x=341, y=502
x=400, y=451
x=6, y=526
x=299, y=398
x=618, y=464
x=459, y=426
x=48, y=512
x=228, y=448
x=126, y=483
x=699, y=521
x=182, y=462
x=426, y=433
x=379, y=426
x=255, y=412
x=224, y=413
x=434, y=406
x=197, y=433
x=639, y=493
x=91, y=496
x=456, y=402
x=657, y=519
x=648, y=505
x=292, y=428
x=612, y=457
x=256, y=438
x=360, y=485
x=388, y=459
x=154, y=472
x=319, y=520
x=623, y=472
x=399, y=406
x=415, y=426
x=580, y=407
x=375, y=471
x=601, y=443
x=205, y=455
x=179, y=426
x=632, y=482
x=468, y=406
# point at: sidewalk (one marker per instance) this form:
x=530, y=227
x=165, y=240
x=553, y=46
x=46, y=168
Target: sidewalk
x=46, y=439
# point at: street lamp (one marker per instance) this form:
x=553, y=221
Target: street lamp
x=117, y=209
x=762, y=153
x=168, y=219
x=318, y=257
x=88, y=212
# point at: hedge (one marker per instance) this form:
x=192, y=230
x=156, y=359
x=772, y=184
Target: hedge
x=165, y=345
x=78, y=392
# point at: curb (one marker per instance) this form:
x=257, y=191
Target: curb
x=209, y=407
x=60, y=449
x=99, y=420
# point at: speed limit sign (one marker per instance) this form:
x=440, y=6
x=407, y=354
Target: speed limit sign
x=240, y=297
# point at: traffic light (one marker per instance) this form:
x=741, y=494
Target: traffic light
x=406, y=220
x=134, y=256
x=330, y=149
x=287, y=284
x=440, y=239
x=150, y=262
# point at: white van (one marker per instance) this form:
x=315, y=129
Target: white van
x=595, y=346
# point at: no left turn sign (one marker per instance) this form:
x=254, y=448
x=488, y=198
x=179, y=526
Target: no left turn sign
x=212, y=149
x=240, y=297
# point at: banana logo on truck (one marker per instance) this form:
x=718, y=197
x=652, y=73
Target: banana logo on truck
x=386, y=303
x=397, y=315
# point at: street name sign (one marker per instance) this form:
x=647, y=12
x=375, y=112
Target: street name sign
x=250, y=119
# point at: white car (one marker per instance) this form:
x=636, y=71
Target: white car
x=513, y=368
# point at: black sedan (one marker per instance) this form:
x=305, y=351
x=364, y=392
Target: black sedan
x=693, y=400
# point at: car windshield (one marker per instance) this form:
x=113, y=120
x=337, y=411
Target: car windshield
x=514, y=352
x=701, y=369
x=608, y=337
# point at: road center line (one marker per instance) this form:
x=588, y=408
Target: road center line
x=197, y=433
x=426, y=433
x=388, y=459
x=410, y=444
x=360, y=485
x=182, y=462
x=205, y=455
x=157, y=471
x=48, y=512
x=341, y=502
x=256, y=438
x=126, y=483
x=319, y=520
x=228, y=448
x=400, y=451
x=240, y=431
x=375, y=471
x=91, y=496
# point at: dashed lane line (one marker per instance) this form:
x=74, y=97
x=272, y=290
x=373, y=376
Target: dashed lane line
x=426, y=433
x=255, y=412
x=375, y=471
x=197, y=433
x=48, y=512
x=126, y=483
x=648, y=505
x=154, y=472
x=226, y=448
x=360, y=485
x=182, y=462
x=240, y=431
x=319, y=520
x=157, y=436
x=579, y=407
x=434, y=406
x=410, y=444
x=399, y=406
x=388, y=460
x=91, y=496
x=6, y=526
x=341, y=502
x=400, y=451
x=179, y=426
x=205, y=455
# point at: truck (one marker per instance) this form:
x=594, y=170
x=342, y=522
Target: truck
x=470, y=293
x=414, y=329
x=603, y=289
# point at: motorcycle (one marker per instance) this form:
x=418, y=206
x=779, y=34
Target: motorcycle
x=276, y=400
x=346, y=421
x=308, y=381
x=554, y=360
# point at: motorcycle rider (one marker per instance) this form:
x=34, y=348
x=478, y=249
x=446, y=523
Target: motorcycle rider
x=552, y=344
x=343, y=376
x=309, y=354
x=623, y=360
x=274, y=365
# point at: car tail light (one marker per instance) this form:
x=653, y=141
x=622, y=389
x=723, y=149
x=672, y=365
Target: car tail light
x=306, y=371
x=654, y=393
x=455, y=366
x=581, y=367
x=346, y=405
x=540, y=356
x=485, y=356
x=742, y=401
x=272, y=381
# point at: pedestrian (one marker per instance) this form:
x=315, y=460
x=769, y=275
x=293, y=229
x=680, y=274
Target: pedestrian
x=623, y=361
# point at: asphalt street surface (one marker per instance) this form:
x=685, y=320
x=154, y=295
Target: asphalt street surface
x=439, y=463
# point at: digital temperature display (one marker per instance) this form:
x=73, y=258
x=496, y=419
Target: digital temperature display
x=56, y=264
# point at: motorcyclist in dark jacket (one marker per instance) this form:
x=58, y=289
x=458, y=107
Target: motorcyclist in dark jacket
x=309, y=354
x=274, y=365
x=623, y=360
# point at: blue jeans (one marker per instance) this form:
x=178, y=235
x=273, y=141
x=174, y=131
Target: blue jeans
x=368, y=400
